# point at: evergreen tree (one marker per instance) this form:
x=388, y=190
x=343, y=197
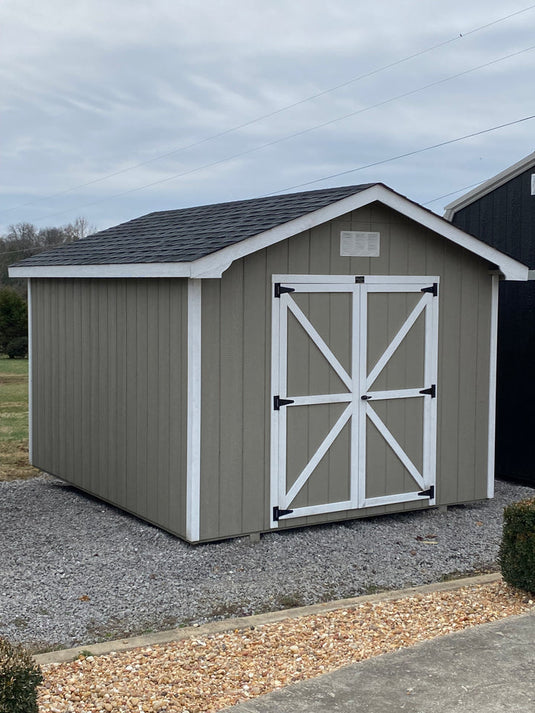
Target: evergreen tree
x=13, y=317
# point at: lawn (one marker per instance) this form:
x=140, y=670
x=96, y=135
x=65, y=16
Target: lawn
x=14, y=420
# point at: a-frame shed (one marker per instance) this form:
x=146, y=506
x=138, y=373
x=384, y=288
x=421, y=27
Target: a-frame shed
x=270, y=363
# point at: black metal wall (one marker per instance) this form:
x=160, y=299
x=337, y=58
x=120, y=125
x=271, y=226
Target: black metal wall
x=505, y=219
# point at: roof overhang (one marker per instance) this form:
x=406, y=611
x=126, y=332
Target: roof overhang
x=215, y=264
x=490, y=185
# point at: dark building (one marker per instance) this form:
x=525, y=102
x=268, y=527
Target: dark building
x=501, y=212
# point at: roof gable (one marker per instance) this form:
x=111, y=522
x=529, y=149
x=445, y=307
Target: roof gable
x=192, y=243
x=490, y=185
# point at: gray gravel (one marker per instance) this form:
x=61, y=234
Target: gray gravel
x=75, y=571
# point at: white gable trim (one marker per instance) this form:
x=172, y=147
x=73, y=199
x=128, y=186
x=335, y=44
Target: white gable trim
x=491, y=184
x=214, y=265
x=511, y=268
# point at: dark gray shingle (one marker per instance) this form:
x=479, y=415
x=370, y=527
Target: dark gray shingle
x=190, y=233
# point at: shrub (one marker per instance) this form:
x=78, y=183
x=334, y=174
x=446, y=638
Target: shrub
x=13, y=317
x=19, y=678
x=17, y=347
x=517, y=550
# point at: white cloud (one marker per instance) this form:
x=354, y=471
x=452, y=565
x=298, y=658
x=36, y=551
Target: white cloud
x=92, y=87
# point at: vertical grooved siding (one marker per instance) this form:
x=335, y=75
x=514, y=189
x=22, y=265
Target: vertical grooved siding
x=505, y=219
x=109, y=391
x=236, y=364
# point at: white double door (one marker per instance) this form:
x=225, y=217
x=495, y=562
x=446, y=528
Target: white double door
x=354, y=374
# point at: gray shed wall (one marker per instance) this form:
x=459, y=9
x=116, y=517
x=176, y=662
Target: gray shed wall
x=236, y=365
x=109, y=391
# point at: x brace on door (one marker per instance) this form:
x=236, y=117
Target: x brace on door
x=359, y=396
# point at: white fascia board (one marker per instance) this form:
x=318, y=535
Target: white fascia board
x=489, y=185
x=144, y=269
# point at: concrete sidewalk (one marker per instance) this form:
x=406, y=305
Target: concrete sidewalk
x=485, y=669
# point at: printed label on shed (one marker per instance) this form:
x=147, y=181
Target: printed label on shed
x=356, y=243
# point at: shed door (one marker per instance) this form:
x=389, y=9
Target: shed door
x=354, y=372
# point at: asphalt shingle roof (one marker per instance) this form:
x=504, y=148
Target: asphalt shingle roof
x=190, y=233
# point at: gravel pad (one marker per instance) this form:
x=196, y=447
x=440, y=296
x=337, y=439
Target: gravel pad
x=74, y=570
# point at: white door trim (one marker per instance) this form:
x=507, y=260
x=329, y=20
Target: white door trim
x=358, y=410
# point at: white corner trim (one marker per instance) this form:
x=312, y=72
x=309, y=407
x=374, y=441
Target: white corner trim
x=489, y=185
x=193, y=487
x=30, y=375
x=492, y=384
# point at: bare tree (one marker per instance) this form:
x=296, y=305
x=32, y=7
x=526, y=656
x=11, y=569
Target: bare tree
x=24, y=240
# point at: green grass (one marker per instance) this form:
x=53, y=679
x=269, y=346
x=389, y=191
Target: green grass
x=14, y=420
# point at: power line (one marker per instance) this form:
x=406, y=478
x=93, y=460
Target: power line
x=452, y=193
x=276, y=111
x=404, y=155
x=274, y=142
x=388, y=160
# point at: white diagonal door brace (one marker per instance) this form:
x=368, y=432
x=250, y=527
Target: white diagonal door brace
x=316, y=458
x=358, y=411
x=394, y=445
x=428, y=304
x=394, y=344
x=318, y=341
x=287, y=303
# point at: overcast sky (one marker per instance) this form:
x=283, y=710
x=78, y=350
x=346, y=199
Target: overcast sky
x=91, y=89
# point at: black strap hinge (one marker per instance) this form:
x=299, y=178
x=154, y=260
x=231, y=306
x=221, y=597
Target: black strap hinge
x=278, y=402
x=433, y=289
x=430, y=493
x=278, y=513
x=431, y=391
x=281, y=289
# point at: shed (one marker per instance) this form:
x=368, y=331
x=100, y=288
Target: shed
x=501, y=212
x=269, y=363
